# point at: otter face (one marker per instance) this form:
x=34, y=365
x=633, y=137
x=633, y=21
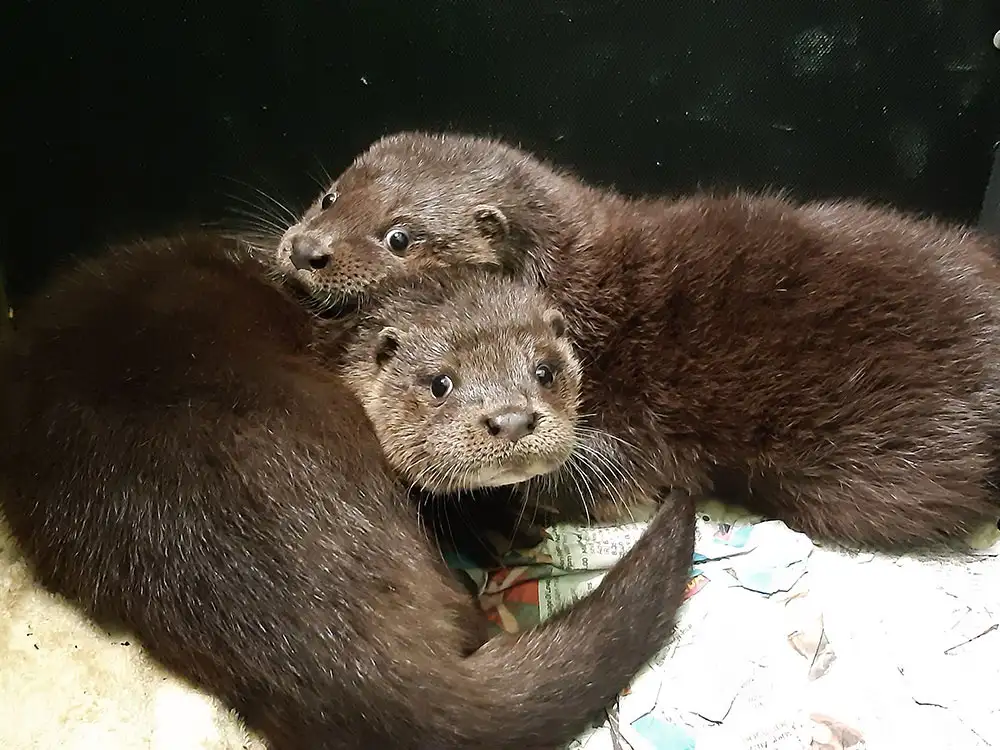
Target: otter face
x=412, y=202
x=470, y=393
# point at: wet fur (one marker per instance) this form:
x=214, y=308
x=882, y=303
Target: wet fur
x=834, y=365
x=176, y=459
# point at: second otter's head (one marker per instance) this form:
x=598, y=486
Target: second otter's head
x=470, y=381
x=416, y=201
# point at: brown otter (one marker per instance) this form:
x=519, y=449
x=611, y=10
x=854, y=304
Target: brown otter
x=836, y=362
x=464, y=400
x=176, y=457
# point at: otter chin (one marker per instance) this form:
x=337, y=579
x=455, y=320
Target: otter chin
x=469, y=379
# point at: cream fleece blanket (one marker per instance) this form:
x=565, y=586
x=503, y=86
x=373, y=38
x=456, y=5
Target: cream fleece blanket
x=67, y=684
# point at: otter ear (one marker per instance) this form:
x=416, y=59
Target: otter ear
x=514, y=251
x=386, y=345
x=555, y=320
x=491, y=222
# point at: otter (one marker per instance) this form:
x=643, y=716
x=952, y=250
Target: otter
x=180, y=459
x=831, y=364
x=469, y=381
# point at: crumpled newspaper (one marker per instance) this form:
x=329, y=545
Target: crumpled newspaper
x=782, y=644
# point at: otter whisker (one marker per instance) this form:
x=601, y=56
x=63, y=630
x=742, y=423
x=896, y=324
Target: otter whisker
x=530, y=491
x=326, y=174
x=457, y=477
x=572, y=469
x=259, y=240
x=608, y=457
x=438, y=533
x=251, y=210
x=599, y=482
x=258, y=225
x=442, y=480
x=429, y=477
x=622, y=472
x=639, y=456
x=248, y=215
x=323, y=186
x=421, y=520
x=451, y=530
x=274, y=274
x=250, y=224
x=270, y=198
x=520, y=519
x=327, y=301
x=607, y=460
x=598, y=462
x=249, y=232
x=445, y=478
x=415, y=466
x=289, y=212
x=587, y=430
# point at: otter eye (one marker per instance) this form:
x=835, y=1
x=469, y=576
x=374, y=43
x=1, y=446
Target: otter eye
x=328, y=200
x=441, y=386
x=397, y=239
x=544, y=375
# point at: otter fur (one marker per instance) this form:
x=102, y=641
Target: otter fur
x=832, y=364
x=178, y=459
x=469, y=380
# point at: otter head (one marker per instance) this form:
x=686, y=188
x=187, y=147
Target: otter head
x=413, y=202
x=469, y=382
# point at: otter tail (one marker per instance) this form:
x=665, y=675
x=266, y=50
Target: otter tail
x=539, y=690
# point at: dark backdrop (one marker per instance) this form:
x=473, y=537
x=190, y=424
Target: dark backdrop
x=126, y=118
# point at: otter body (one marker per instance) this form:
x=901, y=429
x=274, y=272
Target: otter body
x=833, y=365
x=177, y=458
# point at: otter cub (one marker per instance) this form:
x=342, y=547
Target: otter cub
x=837, y=363
x=470, y=381
x=177, y=457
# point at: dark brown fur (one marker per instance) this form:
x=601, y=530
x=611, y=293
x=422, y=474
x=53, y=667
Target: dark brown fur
x=836, y=363
x=175, y=458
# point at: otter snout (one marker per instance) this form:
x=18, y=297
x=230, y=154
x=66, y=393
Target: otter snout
x=511, y=424
x=309, y=254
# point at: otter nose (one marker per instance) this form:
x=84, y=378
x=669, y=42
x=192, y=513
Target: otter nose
x=511, y=424
x=308, y=254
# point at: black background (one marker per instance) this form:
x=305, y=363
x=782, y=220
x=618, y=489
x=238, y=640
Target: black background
x=126, y=119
